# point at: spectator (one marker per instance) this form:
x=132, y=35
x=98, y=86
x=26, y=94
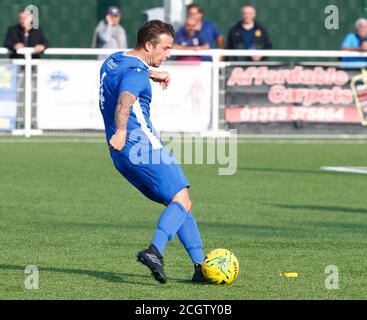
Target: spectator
x=356, y=41
x=248, y=34
x=189, y=38
x=109, y=34
x=205, y=27
x=23, y=35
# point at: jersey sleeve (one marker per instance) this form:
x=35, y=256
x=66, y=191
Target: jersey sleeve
x=215, y=30
x=134, y=81
x=348, y=41
x=203, y=39
x=178, y=37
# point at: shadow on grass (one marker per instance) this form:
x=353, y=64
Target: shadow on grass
x=320, y=208
x=103, y=275
x=240, y=229
x=296, y=230
x=254, y=230
x=233, y=228
x=100, y=225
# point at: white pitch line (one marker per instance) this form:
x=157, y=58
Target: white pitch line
x=294, y=141
x=361, y=170
x=56, y=140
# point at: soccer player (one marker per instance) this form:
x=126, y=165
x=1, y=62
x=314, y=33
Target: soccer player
x=136, y=150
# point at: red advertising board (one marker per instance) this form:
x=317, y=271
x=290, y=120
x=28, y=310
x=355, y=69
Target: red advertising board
x=291, y=113
x=285, y=93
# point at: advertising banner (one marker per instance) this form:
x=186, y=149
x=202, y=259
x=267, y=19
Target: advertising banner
x=186, y=105
x=68, y=94
x=289, y=93
x=8, y=96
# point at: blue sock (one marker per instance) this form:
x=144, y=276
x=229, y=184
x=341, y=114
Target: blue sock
x=169, y=222
x=190, y=237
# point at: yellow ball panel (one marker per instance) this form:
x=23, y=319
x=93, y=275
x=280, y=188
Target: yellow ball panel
x=220, y=266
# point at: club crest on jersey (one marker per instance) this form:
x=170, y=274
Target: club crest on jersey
x=112, y=65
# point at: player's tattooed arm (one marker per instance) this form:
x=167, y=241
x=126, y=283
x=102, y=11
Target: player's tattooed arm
x=126, y=100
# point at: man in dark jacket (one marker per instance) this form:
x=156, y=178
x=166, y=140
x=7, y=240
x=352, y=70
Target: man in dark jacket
x=248, y=34
x=23, y=35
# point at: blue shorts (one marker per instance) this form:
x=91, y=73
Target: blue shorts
x=158, y=180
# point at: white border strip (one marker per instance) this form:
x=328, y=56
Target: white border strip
x=360, y=170
x=212, y=52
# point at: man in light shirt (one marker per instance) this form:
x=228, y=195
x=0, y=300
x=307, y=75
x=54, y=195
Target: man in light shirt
x=356, y=41
x=109, y=34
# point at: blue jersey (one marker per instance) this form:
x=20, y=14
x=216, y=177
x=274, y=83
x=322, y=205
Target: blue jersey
x=119, y=73
x=196, y=40
x=351, y=41
x=248, y=37
x=159, y=179
x=210, y=32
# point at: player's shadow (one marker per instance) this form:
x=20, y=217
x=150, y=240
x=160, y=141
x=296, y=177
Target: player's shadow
x=103, y=275
x=320, y=208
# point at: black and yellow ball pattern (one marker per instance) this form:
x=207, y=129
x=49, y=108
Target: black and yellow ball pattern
x=220, y=266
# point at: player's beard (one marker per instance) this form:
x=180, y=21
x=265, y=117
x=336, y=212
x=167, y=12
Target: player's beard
x=152, y=63
x=157, y=64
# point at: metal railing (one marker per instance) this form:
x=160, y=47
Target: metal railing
x=215, y=54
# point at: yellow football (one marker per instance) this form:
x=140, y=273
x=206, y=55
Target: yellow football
x=220, y=266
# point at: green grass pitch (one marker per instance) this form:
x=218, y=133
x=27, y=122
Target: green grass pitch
x=65, y=209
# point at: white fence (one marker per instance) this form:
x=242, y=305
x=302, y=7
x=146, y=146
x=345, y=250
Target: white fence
x=216, y=63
